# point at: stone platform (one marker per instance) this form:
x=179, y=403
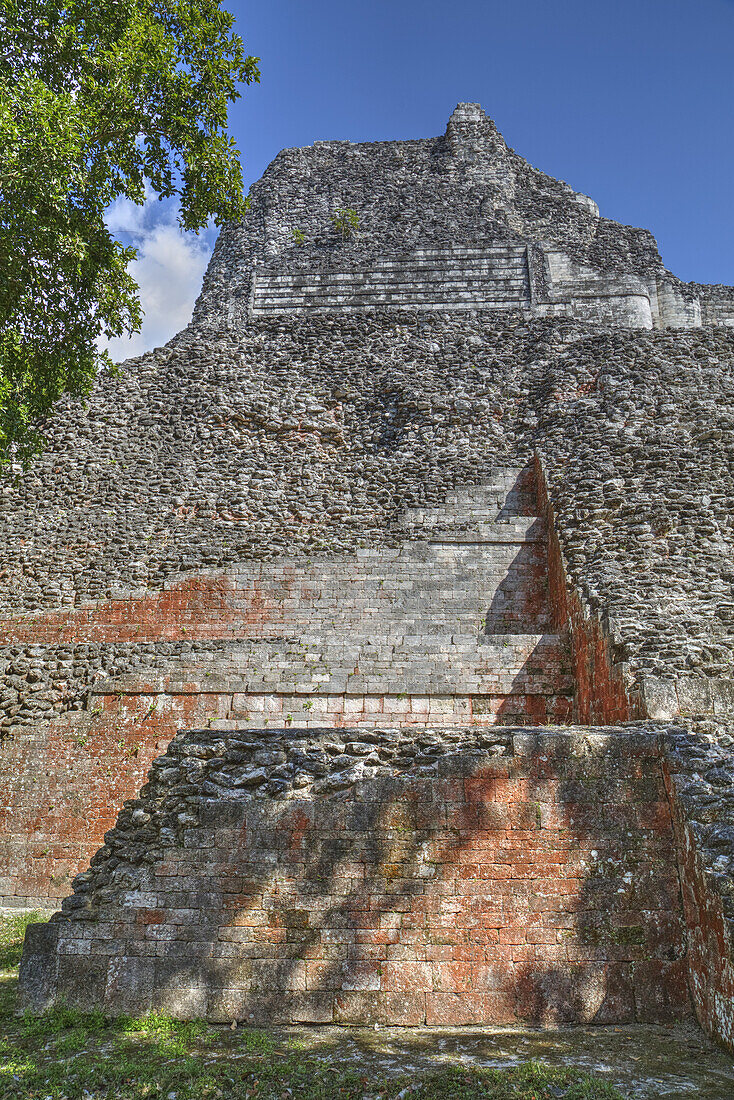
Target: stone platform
x=395, y=876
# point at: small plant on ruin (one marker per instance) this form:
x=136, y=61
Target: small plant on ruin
x=345, y=221
x=299, y=237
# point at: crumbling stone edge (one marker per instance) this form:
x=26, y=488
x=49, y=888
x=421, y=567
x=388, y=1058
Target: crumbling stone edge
x=697, y=771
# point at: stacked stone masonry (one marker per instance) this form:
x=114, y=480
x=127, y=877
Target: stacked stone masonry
x=494, y=277
x=445, y=223
x=447, y=877
x=449, y=629
x=468, y=466
x=699, y=775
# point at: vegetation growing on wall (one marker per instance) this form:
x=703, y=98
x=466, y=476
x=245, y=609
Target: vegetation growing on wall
x=345, y=221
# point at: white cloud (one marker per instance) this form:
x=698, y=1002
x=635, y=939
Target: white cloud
x=168, y=270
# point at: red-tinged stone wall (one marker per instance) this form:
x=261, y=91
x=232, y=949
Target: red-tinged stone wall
x=63, y=781
x=63, y=784
x=710, y=939
x=101, y=689
x=531, y=880
x=603, y=692
x=203, y=607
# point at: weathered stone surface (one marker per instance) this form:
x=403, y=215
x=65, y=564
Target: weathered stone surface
x=455, y=222
x=467, y=877
x=390, y=490
x=39, y=967
x=452, y=628
x=699, y=773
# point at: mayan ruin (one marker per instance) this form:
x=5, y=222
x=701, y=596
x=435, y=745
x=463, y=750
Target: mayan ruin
x=367, y=651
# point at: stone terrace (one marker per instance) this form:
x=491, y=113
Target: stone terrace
x=493, y=277
x=453, y=627
x=440, y=877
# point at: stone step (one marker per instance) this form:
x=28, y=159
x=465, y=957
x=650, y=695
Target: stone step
x=413, y=615
x=424, y=256
x=372, y=296
x=484, y=645
x=498, y=264
x=481, y=536
x=531, y=664
x=472, y=569
x=472, y=269
x=515, y=485
x=371, y=630
x=421, y=554
x=442, y=306
x=510, y=495
x=507, y=266
x=499, y=509
x=466, y=583
x=501, y=277
x=379, y=710
x=452, y=252
x=464, y=527
x=423, y=681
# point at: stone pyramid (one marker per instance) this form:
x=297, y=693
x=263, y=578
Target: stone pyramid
x=367, y=650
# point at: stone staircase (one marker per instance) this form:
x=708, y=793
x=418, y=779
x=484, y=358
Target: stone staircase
x=450, y=627
x=489, y=277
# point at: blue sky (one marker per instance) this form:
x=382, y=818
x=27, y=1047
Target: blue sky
x=631, y=102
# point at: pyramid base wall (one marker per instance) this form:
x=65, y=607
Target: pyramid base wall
x=481, y=878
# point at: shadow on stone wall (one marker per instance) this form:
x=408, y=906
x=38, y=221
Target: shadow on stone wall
x=520, y=603
x=530, y=878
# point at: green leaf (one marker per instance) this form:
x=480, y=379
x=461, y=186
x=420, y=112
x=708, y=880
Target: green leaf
x=99, y=100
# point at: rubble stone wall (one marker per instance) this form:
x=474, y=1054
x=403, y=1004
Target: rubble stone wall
x=440, y=877
x=698, y=770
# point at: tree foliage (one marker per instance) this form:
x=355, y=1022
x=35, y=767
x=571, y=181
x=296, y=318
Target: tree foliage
x=99, y=99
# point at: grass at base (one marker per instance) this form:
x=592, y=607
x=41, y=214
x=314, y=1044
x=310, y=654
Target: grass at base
x=12, y=931
x=66, y=1055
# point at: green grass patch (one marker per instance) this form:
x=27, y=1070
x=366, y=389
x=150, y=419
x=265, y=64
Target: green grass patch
x=68, y=1055
x=12, y=931
x=61, y=1071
